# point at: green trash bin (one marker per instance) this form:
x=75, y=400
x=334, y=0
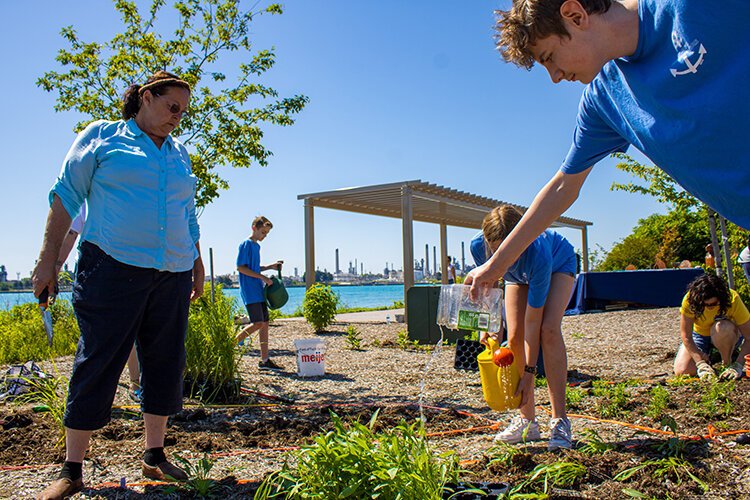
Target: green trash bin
x=421, y=313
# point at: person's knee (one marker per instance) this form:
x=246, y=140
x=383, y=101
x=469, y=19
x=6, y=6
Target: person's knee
x=724, y=334
x=550, y=336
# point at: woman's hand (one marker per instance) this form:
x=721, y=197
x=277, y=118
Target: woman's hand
x=481, y=279
x=199, y=277
x=525, y=387
x=44, y=276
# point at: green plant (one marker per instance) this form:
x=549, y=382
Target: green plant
x=403, y=341
x=573, y=396
x=680, y=380
x=614, y=400
x=319, y=306
x=540, y=382
x=658, y=402
x=23, y=338
x=353, y=338
x=199, y=480
x=563, y=474
x=502, y=454
x=593, y=444
x=715, y=402
x=675, y=468
x=51, y=396
x=354, y=461
x=577, y=335
x=213, y=361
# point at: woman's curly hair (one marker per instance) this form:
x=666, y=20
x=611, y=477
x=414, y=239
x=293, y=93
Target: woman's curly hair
x=707, y=287
x=531, y=20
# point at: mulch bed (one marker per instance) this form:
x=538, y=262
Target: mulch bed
x=247, y=442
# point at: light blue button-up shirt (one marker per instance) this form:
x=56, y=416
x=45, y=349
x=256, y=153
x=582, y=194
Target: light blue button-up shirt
x=141, y=199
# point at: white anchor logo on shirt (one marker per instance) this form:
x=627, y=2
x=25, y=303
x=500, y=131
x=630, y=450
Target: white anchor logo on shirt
x=684, y=55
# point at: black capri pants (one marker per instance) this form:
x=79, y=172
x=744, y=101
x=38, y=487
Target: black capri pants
x=117, y=304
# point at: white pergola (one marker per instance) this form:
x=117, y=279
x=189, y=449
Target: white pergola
x=413, y=201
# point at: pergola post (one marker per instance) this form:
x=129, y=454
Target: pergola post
x=585, y=249
x=408, y=239
x=443, y=253
x=309, y=244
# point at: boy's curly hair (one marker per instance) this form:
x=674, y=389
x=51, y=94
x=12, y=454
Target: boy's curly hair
x=531, y=20
x=707, y=287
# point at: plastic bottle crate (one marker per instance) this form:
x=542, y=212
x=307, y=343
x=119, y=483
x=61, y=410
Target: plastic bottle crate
x=466, y=355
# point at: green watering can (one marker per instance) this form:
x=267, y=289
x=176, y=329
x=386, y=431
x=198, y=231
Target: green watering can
x=276, y=294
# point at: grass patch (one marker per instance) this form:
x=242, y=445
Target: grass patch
x=658, y=402
x=23, y=338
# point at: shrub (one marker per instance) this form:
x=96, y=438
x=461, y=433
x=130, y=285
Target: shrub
x=212, y=358
x=353, y=338
x=354, y=461
x=319, y=306
x=23, y=338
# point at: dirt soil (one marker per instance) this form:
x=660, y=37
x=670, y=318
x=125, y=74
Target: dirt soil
x=619, y=370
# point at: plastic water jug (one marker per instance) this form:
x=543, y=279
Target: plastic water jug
x=498, y=383
x=276, y=294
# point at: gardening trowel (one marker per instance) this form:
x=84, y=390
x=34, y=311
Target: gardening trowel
x=44, y=302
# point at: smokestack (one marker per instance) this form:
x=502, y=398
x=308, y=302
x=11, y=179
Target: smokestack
x=426, y=259
x=338, y=271
x=463, y=258
x=434, y=259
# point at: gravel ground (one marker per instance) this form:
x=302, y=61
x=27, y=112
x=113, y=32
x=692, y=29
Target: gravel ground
x=615, y=346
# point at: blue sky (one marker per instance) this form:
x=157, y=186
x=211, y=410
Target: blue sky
x=398, y=91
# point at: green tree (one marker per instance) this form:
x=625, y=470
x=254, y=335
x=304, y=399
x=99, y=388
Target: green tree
x=222, y=127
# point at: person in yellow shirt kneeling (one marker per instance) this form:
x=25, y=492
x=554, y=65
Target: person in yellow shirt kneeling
x=712, y=316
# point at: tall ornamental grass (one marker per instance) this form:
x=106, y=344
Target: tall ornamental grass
x=355, y=461
x=23, y=338
x=212, y=357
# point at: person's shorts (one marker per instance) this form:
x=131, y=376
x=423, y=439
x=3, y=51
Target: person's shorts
x=705, y=346
x=257, y=312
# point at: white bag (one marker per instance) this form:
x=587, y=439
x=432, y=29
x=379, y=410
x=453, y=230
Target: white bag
x=310, y=357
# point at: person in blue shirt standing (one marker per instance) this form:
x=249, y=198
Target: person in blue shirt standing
x=252, y=284
x=139, y=266
x=537, y=290
x=667, y=76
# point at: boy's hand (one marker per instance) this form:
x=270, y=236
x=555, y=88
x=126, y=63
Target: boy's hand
x=276, y=265
x=268, y=281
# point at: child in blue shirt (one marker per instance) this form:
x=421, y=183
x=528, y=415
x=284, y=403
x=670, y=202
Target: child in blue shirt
x=252, y=283
x=537, y=290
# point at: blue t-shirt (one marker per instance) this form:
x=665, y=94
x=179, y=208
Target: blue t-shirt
x=549, y=253
x=682, y=99
x=251, y=289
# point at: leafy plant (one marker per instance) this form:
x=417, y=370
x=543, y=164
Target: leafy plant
x=715, y=402
x=658, y=402
x=564, y=474
x=212, y=360
x=199, y=479
x=675, y=468
x=319, y=306
x=222, y=128
x=573, y=396
x=540, y=382
x=353, y=338
x=593, y=444
x=502, y=454
x=680, y=380
x=354, y=461
x=23, y=338
x=614, y=401
x=51, y=396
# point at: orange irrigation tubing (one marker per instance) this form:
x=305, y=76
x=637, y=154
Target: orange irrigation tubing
x=22, y=467
x=712, y=434
x=211, y=407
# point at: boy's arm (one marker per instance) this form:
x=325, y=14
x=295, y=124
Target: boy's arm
x=554, y=199
x=249, y=272
x=274, y=266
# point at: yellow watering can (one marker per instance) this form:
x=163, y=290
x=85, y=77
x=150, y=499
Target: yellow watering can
x=498, y=383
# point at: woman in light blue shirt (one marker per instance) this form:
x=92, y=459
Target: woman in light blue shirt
x=139, y=266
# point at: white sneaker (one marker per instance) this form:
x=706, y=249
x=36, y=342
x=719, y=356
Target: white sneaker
x=560, y=434
x=519, y=430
